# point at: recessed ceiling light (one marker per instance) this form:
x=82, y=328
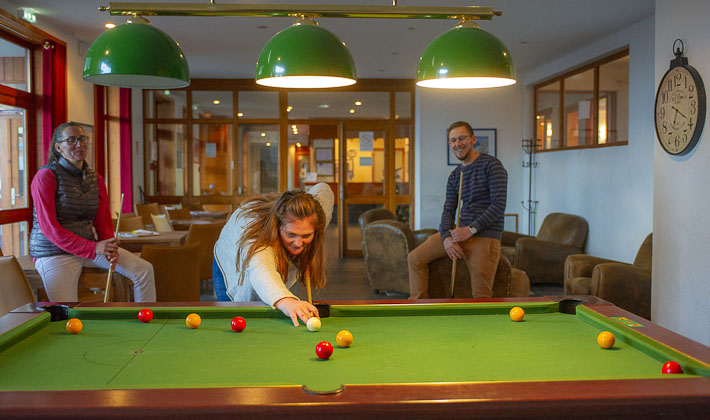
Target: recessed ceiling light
x=298, y=144
x=324, y=106
x=268, y=144
x=358, y=103
x=289, y=108
x=352, y=111
x=240, y=114
x=109, y=25
x=166, y=92
x=294, y=126
x=216, y=102
x=263, y=134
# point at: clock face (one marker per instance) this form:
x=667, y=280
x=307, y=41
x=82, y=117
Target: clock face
x=679, y=103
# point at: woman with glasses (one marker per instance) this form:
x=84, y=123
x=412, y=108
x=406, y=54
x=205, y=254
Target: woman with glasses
x=71, y=225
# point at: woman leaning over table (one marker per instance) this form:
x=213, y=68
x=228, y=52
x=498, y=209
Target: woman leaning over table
x=271, y=242
x=71, y=225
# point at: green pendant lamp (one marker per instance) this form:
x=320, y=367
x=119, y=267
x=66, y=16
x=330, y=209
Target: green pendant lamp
x=466, y=57
x=305, y=56
x=136, y=55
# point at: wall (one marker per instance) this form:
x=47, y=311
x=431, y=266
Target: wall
x=681, y=286
x=435, y=110
x=611, y=187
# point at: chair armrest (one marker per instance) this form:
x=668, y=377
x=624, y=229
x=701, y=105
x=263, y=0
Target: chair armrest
x=624, y=285
x=421, y=235
x=509, y=238
x=582, y=265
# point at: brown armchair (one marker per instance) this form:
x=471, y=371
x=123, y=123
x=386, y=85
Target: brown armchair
x=386, y=246
x=627, y=286
x=542, y=257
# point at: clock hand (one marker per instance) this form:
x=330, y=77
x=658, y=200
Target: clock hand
x=676, y=110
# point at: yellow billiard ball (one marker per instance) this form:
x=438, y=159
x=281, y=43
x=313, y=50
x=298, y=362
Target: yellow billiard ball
x=517, y=314
x=605, y=339
x=193, y=321
x=344, y=338
x=74, y=326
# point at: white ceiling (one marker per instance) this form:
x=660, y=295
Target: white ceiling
x=228, y=47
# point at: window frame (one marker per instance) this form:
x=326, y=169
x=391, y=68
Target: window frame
x=594, y=107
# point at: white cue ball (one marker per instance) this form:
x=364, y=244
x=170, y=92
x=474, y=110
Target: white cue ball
x=313, y=324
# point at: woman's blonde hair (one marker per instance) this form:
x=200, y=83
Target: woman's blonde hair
x=268, y=213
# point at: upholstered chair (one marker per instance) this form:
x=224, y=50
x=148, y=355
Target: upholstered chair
x=15, y=290
x=627, y=286
x=372, y=215
x=542, y=257
x=386, y=246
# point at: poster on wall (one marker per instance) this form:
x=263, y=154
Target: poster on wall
x=485, y=143
x=367, y=141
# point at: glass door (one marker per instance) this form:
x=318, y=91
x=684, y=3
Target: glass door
x=368, y=177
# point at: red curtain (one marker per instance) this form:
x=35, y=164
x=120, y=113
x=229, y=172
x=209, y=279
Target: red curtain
x=54, y=91
x=126, y=155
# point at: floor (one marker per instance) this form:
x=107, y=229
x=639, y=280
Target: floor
x=347, y=280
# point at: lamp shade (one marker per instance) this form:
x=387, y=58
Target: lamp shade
x=138, y=55
x=305, y=56
x=466, y=57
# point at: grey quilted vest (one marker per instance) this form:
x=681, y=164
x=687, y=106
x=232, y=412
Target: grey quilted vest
x=77, y=201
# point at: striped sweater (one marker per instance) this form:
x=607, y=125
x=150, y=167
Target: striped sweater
x=483, y=197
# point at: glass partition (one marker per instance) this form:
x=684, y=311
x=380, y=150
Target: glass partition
x=259, y=152
x=212, y=104
x=165, y=159
x=165, y=104
x=547, y=108
x=14, y=66
x=212, y=162
x=579, y=96
x=13, y=147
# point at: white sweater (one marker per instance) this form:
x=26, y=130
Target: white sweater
x=261, y=279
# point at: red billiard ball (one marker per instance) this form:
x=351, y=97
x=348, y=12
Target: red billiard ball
x=145, y=315
x=672, y=367
x=324, y=350
x=239, y=323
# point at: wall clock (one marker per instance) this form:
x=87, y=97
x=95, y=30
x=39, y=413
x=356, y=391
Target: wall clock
x=680, y=105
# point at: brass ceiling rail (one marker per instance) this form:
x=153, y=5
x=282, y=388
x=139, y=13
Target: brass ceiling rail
x=296, y=10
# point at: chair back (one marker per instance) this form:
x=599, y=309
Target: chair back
x=217, y=207
x=372, y=215
x=129, y=223
x=161, y=223
x=206, y=235
x=566, y=229
x=176, y=271
x=145, y=210
x=386, y=244
x=179, y=214
x=644, y=256
x=15, y=290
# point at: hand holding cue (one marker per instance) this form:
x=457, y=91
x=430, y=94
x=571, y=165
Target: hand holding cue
x=110, y=266
x=458, y=219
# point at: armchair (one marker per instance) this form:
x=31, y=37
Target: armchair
x=543, y=257
x=627, y=286
x=386, y=246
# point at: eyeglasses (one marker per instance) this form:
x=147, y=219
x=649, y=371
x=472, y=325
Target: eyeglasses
x=459, y=138
x=72, y=140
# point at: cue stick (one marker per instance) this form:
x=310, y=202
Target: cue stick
x=458, y=219
x=110, y=266
x=308, y=287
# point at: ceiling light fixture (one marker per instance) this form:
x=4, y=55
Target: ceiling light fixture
x=358, y=103
x=216, y=102
x=307, y=56
x=109, y=25
x=466, y=57
x=114, y=58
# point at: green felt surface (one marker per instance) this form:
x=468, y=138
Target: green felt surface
x=402, y=344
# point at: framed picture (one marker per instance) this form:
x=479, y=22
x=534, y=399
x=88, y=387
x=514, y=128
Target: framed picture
x=486, y=142
x=88, y=131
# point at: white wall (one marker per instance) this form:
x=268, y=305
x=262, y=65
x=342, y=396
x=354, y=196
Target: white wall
x=681, y=222
x=435, y=110
x=611, y=187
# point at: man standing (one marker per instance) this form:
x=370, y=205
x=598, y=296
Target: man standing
x=477, y=241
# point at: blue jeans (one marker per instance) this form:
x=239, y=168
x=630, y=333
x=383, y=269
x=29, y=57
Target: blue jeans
x=220, y=288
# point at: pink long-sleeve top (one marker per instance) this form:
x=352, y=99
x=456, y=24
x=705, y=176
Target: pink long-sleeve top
x=44, y=189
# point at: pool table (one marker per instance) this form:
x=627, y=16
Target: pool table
x=410, y=359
